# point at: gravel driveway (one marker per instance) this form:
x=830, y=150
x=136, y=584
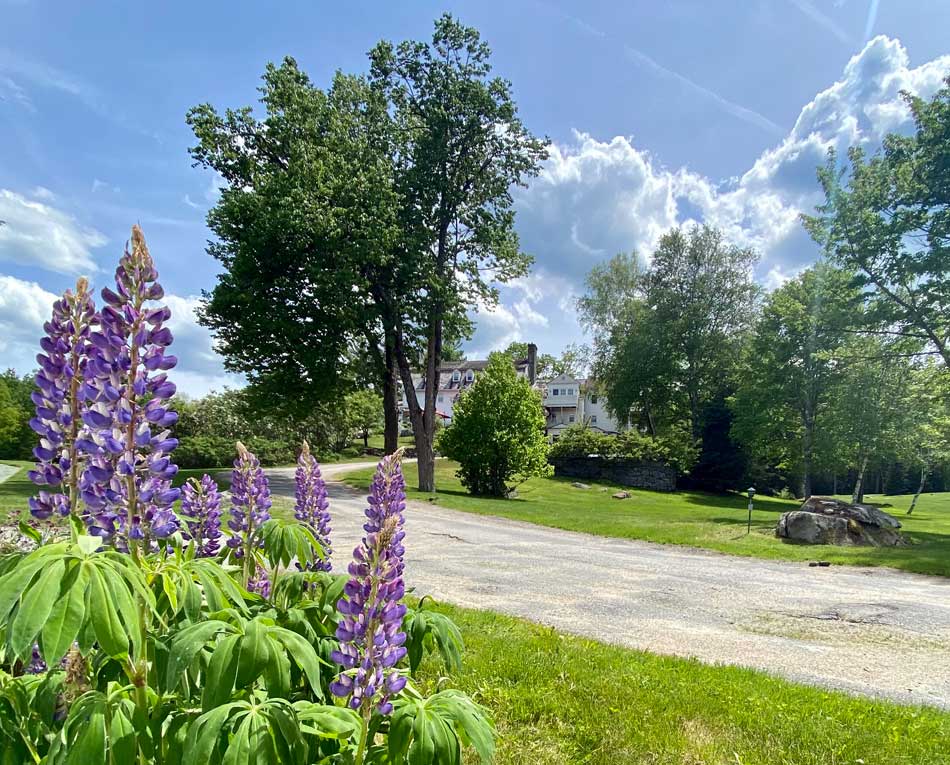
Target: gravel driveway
x=871, y=631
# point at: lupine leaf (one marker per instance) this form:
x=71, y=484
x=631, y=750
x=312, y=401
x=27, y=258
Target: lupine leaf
x=254, y=653
x=105, y=619
x=204, y=733
x=186, y=644
x=328, y=721
x=35, y=606
x=303, y=655
x=221, y=673
x=66, y=618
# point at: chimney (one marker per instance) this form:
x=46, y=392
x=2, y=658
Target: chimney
x=532, y=362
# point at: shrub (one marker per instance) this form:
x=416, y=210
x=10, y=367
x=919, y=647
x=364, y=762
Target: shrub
x=676, y=450
x=497, y=431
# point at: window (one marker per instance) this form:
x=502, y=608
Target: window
x=456, y=376
x=570, y=391
x=441, y=399
x=555, y=392
x=593, y=399
x=469, y=375
x=593, y=419
x=571, y=418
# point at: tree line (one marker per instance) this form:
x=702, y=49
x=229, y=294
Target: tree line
x=839, y=374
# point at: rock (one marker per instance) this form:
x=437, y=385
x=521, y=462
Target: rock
x=621, y=495
x=579, y=485
x=829, y=521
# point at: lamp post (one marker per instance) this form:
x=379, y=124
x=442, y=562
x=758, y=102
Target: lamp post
x=751, y=492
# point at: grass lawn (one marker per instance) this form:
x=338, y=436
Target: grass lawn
x=564, y=700
x=711, y=521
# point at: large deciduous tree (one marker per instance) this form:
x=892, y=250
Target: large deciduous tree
x=887, y=218
x=366, y=219
x=461, y=149
x=789, y=371
x=666, y=336
x=305, y=229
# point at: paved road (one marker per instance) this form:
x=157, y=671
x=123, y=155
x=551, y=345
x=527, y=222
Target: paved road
x=870, y=631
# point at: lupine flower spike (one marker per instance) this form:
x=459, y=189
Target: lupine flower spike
x=250, y=507
x=201, y=508
x=370, y=630
x=58, y=420
x=127, y=483
x=312, y=506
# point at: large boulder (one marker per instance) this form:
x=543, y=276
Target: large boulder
x=829, y=521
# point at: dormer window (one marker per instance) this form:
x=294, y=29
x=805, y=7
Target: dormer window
x=456, y=376
x=469, y=376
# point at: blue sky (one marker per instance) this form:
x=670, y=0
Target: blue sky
x=659, y=113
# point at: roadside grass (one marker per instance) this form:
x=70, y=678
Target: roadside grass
x=558, y=699
x=698, y=519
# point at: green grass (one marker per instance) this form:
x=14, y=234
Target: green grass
x=560, y=700
x=710, y=521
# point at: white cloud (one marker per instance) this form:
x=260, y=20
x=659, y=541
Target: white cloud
x=199, y=368
x=42, y=193
x=13, y=92
x=595, y=198
x=98, y=185
x=25, y=306
x=37, y=234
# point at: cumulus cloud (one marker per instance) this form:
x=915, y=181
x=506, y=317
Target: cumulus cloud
x=596, y=197
x=25, y=306
x=40, y=235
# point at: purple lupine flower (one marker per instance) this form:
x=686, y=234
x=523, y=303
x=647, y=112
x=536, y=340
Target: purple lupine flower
x=126, y=485
x=312, y=506
x=370, y=630
x=36, y=666
x=58, y=403
x=250, y=499
x=201, y=507
x=259, y=582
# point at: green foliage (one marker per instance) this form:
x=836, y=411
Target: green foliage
x=789, y=371
x=16, y=408
x=677, y=449
x=364, y=410
x=667, y=336
x=497, y=430
x=886, y=219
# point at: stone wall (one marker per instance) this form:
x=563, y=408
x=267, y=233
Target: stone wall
x=654, y=476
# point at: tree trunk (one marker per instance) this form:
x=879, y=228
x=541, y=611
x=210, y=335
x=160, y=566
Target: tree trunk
x=425, y=457
x=808, y=448
x=858, y=493
x=920, y=488
x=366, y=439
x=390, y=400
x=834, y=484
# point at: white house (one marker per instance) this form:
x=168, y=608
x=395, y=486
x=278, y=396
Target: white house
x=569, y=400
x=456, y=376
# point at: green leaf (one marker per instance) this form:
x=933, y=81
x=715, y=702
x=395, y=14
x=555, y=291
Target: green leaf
x=66, y=618
x=304, y=656
x=221, y=673
x=340, y=723
x=35, y=606
x=109, y=632
x=254, y=653
x=15, y=582
x=205, y=733
x=186, y=644
x=28, y=531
